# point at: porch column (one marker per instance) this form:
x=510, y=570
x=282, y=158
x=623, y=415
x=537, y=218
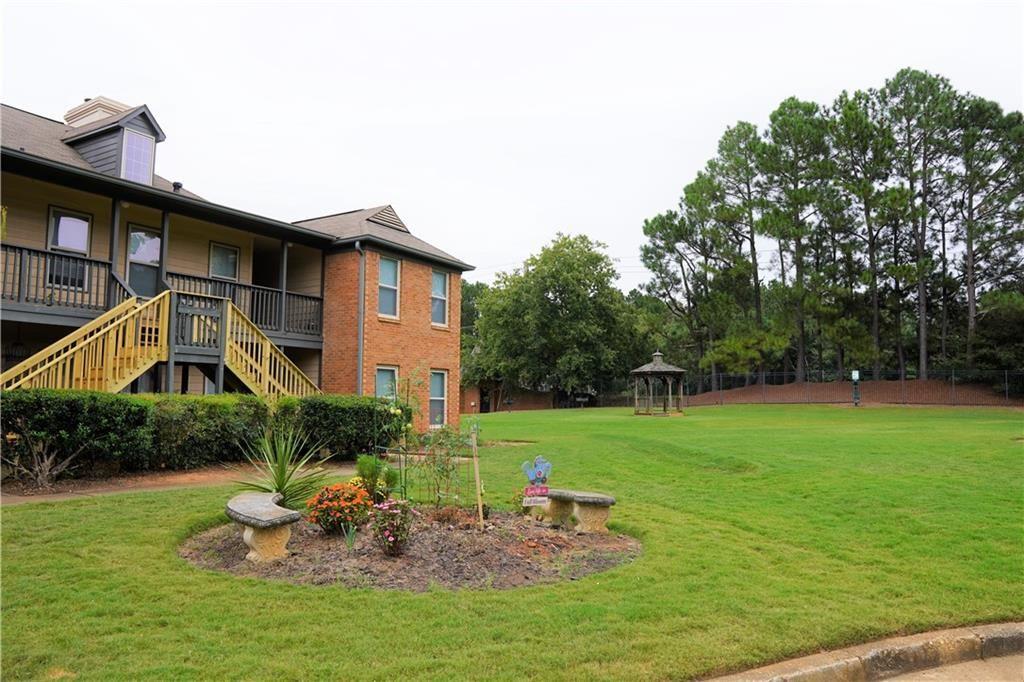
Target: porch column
x=115, y=249
x=165, y=234
x=284, y=286
x=172, y=335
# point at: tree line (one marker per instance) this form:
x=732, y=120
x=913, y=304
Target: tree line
x=884, y=231
x=877, y=232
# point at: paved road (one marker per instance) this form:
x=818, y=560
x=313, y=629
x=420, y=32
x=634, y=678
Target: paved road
x=1004, y=669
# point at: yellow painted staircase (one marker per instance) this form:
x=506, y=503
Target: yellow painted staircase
x=113, y=350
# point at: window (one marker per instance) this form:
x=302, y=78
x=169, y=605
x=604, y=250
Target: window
x=137, y=157
x=439, y=297
x=387, y=382
x=69, y=233
x=387, y=291
x=223, y=261
x=143, y=260
x=438, y=397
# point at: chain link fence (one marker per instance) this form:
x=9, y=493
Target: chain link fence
x=942, y=387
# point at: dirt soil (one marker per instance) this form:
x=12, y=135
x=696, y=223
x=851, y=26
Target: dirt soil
x=913, y=392
x=512, y=551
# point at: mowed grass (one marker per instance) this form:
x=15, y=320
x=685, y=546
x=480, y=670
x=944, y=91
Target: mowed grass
x=768, y=531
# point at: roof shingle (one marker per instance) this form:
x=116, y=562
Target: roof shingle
x=382, y=223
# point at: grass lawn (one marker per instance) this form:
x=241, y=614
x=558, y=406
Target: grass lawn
x=768, y=531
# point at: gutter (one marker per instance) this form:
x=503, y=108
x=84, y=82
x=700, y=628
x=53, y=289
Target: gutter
x=15, y=161
x=361, y=315
x=405, y=250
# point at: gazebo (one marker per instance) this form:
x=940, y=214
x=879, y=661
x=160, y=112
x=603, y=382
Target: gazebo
x=644, y=379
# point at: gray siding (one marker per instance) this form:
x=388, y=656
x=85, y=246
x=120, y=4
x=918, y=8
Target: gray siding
x=103, y=152
x=141, y=124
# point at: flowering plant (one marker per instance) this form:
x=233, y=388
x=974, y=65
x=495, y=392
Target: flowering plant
x=392, y=525
x=339, y=508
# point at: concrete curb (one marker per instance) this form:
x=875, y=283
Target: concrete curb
x=892, y=657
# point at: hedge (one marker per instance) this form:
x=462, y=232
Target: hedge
x=190, y=431
x=346, y=425
x=117, y=429
x=169, y=431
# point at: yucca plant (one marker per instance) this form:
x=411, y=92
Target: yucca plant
x=282, y=458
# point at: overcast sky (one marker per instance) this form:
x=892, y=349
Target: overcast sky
x=488, y=127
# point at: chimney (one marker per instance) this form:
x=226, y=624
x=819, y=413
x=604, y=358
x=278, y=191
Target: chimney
x=93, y=109
x=176, y=186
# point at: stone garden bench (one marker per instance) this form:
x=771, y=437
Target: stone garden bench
x=590, y=509
x=266, y=527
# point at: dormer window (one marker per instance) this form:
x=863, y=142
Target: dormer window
x=137, y=157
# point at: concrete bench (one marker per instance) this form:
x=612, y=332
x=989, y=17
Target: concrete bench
x=266, y=527
x=590, y=509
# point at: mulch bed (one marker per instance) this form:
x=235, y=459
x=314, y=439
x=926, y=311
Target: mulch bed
x=512, y=551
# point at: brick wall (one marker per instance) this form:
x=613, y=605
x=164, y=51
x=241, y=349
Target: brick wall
x=341, y=287
x=469, y=399
x=410, y=343
x=522, y=399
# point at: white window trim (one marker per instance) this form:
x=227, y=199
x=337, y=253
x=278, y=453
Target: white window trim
x=124, y=153
x=52, y=229
x=238, y=262
x=393, y=368
x=447, y=291
x=397, y=288
x=444, y=399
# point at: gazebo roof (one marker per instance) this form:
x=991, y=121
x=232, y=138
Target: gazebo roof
x=658, y=366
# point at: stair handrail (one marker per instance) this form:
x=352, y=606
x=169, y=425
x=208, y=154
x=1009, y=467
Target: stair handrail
x=306, y=385
x=66, y=344
x=121, y=287
x=121, y=318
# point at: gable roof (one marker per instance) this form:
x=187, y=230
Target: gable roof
x=380, y=225
x=41, y=136
x=24, y=135
x=104, y=124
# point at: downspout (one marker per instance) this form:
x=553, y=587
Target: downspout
x=361, y=314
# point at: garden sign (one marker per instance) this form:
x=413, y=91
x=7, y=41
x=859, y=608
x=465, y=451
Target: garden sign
x=537, y=472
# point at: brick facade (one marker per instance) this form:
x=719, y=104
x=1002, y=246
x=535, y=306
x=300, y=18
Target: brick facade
x=411, y=343
x=471, y=399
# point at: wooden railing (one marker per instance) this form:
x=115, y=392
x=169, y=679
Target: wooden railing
x=105, y=355
x=55, y=279
x=262, y=305
x=119, y=290
x=304, y=314
x=111, y=351
x=262, y=366
x=197, y=322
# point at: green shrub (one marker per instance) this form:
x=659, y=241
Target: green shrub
x=349, y=425
x=281, y=458
x=100, y=432
x=391, y=524
x=376, y=477
x=195, y=430
x=90, y=433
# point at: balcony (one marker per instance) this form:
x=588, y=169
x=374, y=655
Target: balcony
x=300, y=315
x=57, y=284
x=58, y=288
